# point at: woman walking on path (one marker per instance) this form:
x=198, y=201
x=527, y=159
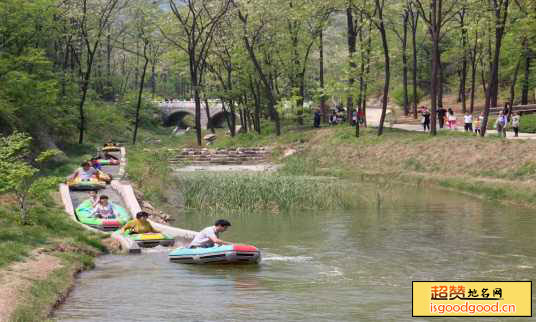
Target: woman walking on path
x=516, y=118
x=451, y=117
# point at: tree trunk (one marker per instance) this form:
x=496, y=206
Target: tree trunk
x=255, y=90
x=274, y=115
x=463, y=76
x=210, y=126
x=439, y=80
x=435, y=78
x=387, y=76
x=405, y=63
x=414, y=27
x=473, y=84
x=197, y=99
x=493, y=87
x=513, y=88
x=85, y=86
x=367, y=72
x=351, y=39
x=140, y=95
x=525, y=89
x=153, y=80
x=322, y=85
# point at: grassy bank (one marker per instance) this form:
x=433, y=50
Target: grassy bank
x=40, y=259
x=492, y=168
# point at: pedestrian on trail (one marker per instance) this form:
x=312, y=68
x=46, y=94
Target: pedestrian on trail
x=361, y=116
x=441, y=114
x=333, y=118
x=316, y=122
x=354, y=118
x=476, y=125
x=451, y=117
x=506, y=111
x=516, y=118
x=468, y=122
x=500, y=125
x=425, y=113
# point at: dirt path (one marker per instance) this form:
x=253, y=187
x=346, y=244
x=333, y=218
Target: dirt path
x=17, y=279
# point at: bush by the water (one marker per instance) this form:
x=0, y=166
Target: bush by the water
x=265, y=192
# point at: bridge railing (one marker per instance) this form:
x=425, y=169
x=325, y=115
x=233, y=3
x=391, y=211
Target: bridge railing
x=523, y=109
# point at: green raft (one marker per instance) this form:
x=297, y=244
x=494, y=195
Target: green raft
x=84, y=210
x=151, y=239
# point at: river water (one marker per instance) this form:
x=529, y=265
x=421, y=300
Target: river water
x=327, y=266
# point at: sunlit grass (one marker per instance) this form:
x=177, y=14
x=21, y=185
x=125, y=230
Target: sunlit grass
x=225, y=191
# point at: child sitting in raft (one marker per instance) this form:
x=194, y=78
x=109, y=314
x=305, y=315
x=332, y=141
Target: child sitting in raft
x=94, y=197
x=140, y=225
x=104, y=209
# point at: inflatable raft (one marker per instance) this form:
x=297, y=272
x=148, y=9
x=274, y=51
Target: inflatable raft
x=244, y=254
x=151, y=239
x=84, y=210
x=89, y=184
x=108, y=162
x=111, y=148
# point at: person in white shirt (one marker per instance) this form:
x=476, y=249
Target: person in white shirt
x=468, y=122
x=210, y=236
x=104, y=209
x=516, y=118
x=85, y=172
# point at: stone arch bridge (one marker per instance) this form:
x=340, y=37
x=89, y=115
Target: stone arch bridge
x=174, y=112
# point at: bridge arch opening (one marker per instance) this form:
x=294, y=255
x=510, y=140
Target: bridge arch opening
x=219, y=119
x=180, y=119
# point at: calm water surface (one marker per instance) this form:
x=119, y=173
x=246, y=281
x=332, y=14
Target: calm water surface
x=356, y=265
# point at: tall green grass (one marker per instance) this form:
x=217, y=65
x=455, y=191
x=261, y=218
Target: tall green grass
x=245, y=192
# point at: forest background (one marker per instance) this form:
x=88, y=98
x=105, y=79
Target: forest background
x=90, y=70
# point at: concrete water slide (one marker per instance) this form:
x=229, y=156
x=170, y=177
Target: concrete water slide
x=122, y=194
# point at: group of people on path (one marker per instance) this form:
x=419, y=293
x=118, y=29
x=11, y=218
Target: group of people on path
x=338, y=116
x=448, y=117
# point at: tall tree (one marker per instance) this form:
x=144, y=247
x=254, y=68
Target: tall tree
x=198, y=20
x=403, y=37
x=463, y=69
x=500, y=15
x=414, y=25
x=436, y=17
x=92, y=18
x=352, y=30
x=252, y=37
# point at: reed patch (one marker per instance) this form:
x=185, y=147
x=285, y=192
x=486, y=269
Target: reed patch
x=227, y=191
